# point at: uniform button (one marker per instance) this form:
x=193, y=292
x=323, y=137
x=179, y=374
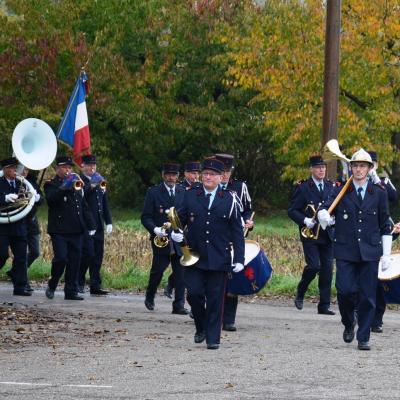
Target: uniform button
x=359, y=230
x=208, y=213
x=334, y=240
x=360, y=220
x=207, y=241
x=360, y=212
x=207, y=222
x=78, y=212
x=359, y=239
x=207, y=232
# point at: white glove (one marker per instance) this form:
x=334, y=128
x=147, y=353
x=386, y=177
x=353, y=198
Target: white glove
x=108, y=228
x=91, y=233
x=323, y=218
x=159, y=232
x=11, y=197
x=374, y=176
x=309, y=222
x=238, y=267
x=37, y=197
x=331, y=221
x=387, y=244
x=385, y=263
x=177, y=236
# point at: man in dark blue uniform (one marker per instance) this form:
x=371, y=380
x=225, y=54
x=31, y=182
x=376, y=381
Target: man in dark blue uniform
x=191, y=177
x=377, y=324
x=318, y=253
x=13, y=234
x=242, y=192
x=69, y=217
x=212, y=218
x=362, y=236
x=159, y=199
x=93, y=246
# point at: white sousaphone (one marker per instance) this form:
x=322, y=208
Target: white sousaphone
x=35, y=146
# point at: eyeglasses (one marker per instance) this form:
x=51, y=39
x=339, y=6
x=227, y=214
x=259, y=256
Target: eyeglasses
x=209, y=174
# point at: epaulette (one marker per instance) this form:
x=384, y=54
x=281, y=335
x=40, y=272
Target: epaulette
x=380, y=185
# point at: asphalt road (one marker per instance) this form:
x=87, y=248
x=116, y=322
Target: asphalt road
x=113, y=348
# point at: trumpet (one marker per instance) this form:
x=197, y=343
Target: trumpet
x=162, y=241
x=72, y=181
x=98, y=180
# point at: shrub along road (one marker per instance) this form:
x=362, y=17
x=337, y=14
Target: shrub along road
x=113, y=348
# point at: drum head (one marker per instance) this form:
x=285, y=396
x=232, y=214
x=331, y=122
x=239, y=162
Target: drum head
x=251, y=250
x=393, y=271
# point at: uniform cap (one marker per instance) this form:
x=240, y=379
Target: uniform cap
x=9, y=162
x=89, y=159
x=171, y=168
x=226, y=159
x=213, y=164
x=64, y=160
x=316, y=160
x=192, y=166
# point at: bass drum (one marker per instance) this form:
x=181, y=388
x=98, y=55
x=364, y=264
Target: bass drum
x=390, y=279
x=256, y=273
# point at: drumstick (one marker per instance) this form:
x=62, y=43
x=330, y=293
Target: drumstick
x=246, y=231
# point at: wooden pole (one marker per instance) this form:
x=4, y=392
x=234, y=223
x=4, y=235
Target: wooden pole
x=331, y=79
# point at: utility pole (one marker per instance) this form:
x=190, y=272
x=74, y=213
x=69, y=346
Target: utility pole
x=331, y=78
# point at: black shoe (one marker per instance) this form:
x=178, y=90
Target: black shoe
x=28, y=288
x=168, y=291
x=327, y=311
x=199, y=337
x=81, y=289
x=191, y=314
x=364, y=346
x=21, y=292
x=72, y=297
x=348, y=334
x=298, y=302
x=99, y=292
x=49, y=293
x=377, y=329
x=180, y=311
x=149, y=304
x=212, y=346
x=229, y=327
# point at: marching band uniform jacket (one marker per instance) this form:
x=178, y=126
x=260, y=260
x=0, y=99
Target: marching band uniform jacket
x=306, y=192
x=243, y=193
x=18, y=228
x=156, y=203
x=68, y=210
x=358, y=228
x=96, y=199
x=210, y=232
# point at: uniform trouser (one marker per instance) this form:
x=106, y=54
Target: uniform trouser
x=206, y=291
x=18, y=270
x=380, y=305
x=319, y=260
x=33, y=248
x=171, y=283
x=67, y=255
x=356, y=288
x=159, y=265
x=92, y=259
x=230, y=308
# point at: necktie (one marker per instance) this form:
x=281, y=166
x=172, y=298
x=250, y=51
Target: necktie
x=320, y=187
x=171, y=193
x=208, y=195
x=360, y=199
x=13, y=184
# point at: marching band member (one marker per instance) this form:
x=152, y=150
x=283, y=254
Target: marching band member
x=156, y=204
x=212, y=218
x=318, y=253
x=93, y=246
x=14, y=234
x=68, y=219
x=241, y=190
x=362, y=235
x=377, y=324
x=191, y=176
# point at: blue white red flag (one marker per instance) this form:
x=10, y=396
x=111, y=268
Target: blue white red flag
x=74, y=127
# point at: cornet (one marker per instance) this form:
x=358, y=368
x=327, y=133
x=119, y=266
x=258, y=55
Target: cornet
x=162, y=241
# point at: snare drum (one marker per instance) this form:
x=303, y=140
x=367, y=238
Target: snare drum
x=256, y=273
x=390, y=279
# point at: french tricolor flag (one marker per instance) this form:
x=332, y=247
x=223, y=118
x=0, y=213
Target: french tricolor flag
x=74, y=127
